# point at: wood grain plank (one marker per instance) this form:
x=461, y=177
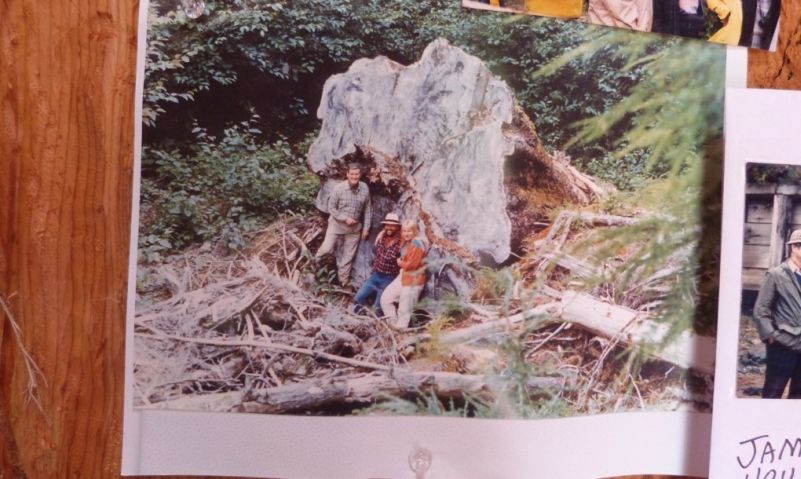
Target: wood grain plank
x=67, y=96
x=759, y=210
x=756, y=256
x=756, y=234
x=795, y=218
x=782, y=210
x=752, y=278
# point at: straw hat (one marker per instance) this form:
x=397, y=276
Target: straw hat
x=394, y=219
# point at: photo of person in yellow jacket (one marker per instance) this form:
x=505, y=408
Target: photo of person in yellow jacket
x=749, y=23
x=730, y=13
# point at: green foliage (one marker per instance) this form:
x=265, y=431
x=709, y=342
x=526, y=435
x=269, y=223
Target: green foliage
x=760, y=173
x=493, y=285
x=673, y=117
x=670, y=113
x=275, y=57
x=220, y=188
x=435, y=348
x=627, y=172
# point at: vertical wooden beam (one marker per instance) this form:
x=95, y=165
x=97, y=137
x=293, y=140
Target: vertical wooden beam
x=67, y=72
x=782, y=209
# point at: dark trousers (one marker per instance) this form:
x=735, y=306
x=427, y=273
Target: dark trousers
x=783, y=365
x=769, y=23
x=372, y=289
x=749, y=17
x=669, y=18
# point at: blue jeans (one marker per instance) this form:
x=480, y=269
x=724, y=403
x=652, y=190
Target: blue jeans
x=374, y=285
x=783, y=365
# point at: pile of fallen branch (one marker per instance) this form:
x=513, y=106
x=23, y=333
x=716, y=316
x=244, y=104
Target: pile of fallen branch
x=255, y=334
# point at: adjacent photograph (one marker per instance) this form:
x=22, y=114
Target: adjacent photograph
x=395, y=208
x=769, y=363
x=748, y=23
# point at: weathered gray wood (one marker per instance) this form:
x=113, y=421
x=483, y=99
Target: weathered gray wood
x=598, y=219
x=757, y=234
x=356, y=389
x=773, y=188
x=782, y=205
x=688, y=350
x=758, y=210
x=761, y=189
x=790, y=189
x=575, y=265
x=756, y=256
x=215, y=402
x=436, y=136
x=608, y=320
x=752, y=278
x=795, y=217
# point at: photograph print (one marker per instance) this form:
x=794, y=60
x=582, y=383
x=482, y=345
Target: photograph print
x=395, y=208
x=748, y=23
x=769, y=364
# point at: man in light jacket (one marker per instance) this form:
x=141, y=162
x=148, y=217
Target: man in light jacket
x=349, y=210
x=777, y=313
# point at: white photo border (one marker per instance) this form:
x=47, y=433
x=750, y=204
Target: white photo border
x=204, y=443
x=761, y=126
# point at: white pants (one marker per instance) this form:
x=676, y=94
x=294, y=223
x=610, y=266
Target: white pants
x=405, y=296
x=345, y=252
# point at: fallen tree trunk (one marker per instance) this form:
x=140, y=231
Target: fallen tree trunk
x=687, y=350
x=482, y=330
x=215, y=402
x=630, y=327
x=360, y=389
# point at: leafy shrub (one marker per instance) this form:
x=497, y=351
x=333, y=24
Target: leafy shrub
x=220, y=188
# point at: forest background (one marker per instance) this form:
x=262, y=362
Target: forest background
x=230, y=100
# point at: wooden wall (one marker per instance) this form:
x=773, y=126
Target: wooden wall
x=67, y=72
x=772, y=212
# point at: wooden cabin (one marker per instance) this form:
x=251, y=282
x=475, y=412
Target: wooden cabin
x=772, y=212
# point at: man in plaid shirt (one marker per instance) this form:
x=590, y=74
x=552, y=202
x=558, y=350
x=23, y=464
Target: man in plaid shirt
x=385, y=265
x=349, y=212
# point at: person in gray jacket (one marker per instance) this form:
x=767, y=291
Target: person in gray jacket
x=777, y=313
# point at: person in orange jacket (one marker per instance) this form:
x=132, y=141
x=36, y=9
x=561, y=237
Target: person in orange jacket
x=405, y=289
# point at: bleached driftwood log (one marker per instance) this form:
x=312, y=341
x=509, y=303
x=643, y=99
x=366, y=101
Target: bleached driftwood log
x=629, y=327
x=687, y=350
x=359, y=389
